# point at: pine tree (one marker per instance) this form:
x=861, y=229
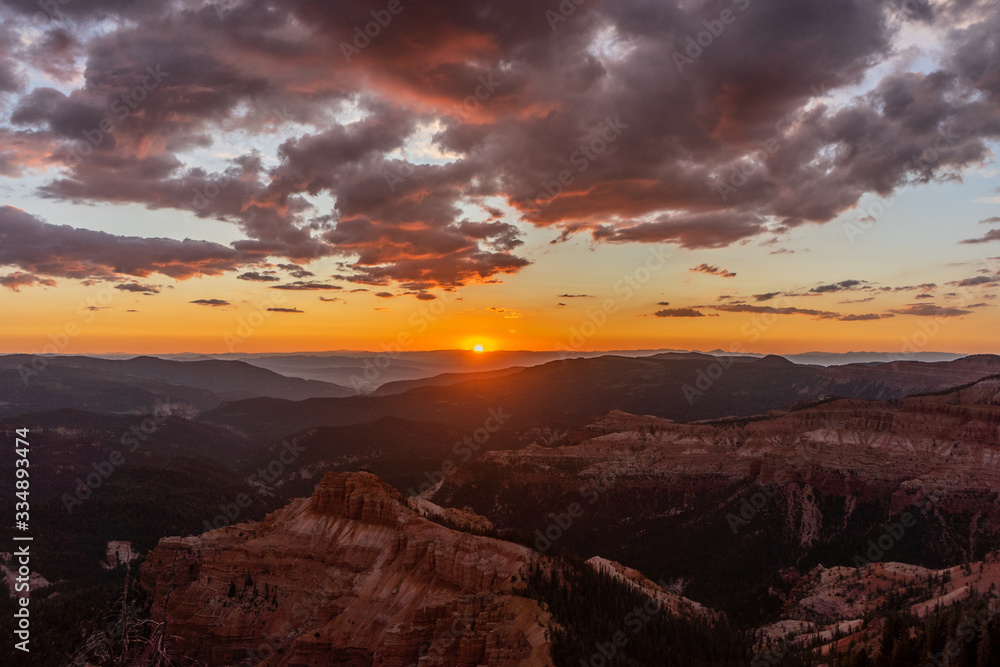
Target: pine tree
x=984, y=653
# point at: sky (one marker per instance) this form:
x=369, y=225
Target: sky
x=763, y=176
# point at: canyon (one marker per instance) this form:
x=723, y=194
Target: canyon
x=352, y=575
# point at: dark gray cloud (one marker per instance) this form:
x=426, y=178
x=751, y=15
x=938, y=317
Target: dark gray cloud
x=865, y=317
x=616, y=142
x=713, y=271
x=258, y=277
x=788, y=310
x=977, y=280
x=211, y=302
x=931, y=310
x=679, y=312
x=139, y=288
x=45, y=249
x=306, y=285
x=695, y=230
x=840, y=287
x=992, y=235
x=296, y=271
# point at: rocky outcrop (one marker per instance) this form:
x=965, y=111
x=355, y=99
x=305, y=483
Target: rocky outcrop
x=675, y=605
x=119, y=552
x=350, y=576
x=831, y=604
x=809, y=477
x=462, y=519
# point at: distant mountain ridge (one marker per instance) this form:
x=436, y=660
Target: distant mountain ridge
x=30, y=384
x=567, y=393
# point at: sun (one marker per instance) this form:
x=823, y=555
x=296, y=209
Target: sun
x=477, y=348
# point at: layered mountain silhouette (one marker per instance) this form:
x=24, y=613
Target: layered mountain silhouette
x=31, y=383
x=544, y=504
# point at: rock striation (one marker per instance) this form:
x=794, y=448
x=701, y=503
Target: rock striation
x=811, y=470
x=350, y=576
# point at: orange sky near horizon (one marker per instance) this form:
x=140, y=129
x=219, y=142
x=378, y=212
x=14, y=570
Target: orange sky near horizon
x=101, y=320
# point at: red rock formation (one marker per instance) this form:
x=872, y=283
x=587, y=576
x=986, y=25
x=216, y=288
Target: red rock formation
x=829, y=605
x=941, y=450
x=672, y=603
x=350, y=576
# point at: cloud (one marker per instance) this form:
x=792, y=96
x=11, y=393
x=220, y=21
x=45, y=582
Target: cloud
x=19, y=279
x=694, y=230
x=680, y=135
x=331, y=299
x=767, y=296
x=258, y=277
x=679, y=312
x=211, y=302
x=663, y=303
x=139, y=288
x=296, y=271
x=864, y=318
x=992, y=235
x=991, y=220
x=712, y=270
x=840, y=287
x=285, y=310
x=62, y=251
x=302, y=285
x=576, y=296
x=790, y=310
x=930, y=310
x=972, y=282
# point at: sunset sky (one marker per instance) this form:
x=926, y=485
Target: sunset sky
x=768, y=175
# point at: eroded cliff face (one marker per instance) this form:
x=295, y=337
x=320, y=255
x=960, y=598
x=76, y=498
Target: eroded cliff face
x=839, y=607
x=807, y=481
x=350, y=576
